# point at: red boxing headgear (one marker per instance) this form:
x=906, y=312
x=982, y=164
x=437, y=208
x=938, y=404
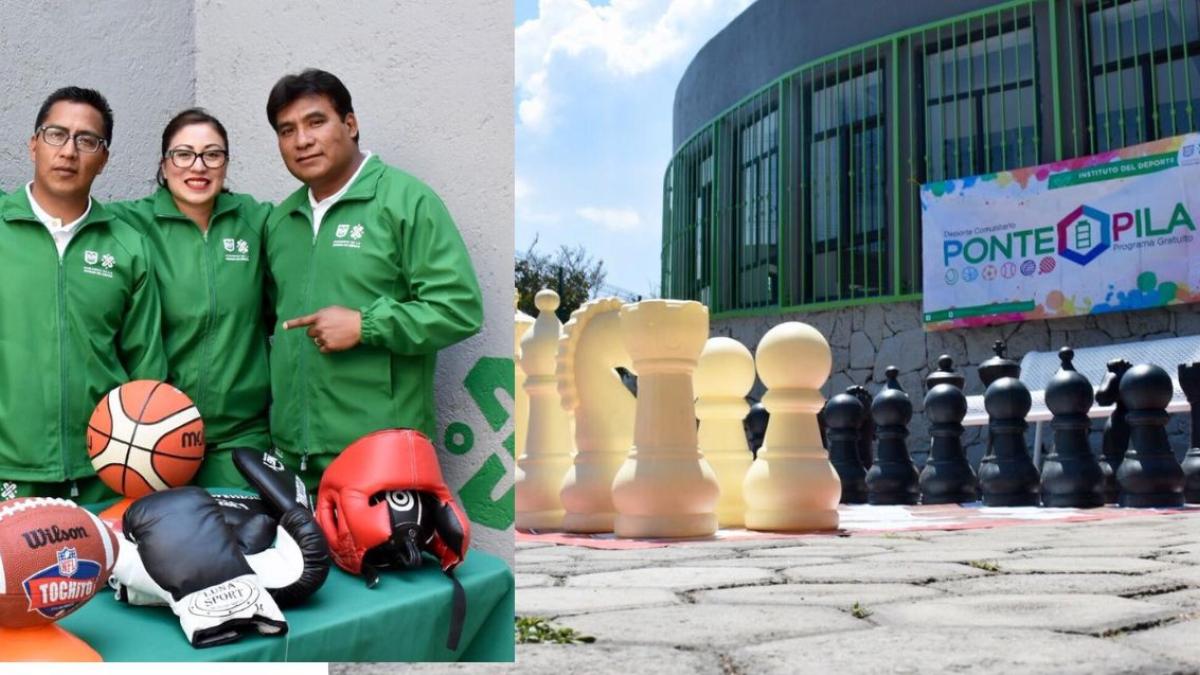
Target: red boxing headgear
x=392, y=459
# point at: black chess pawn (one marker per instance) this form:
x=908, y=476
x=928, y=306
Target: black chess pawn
x=892, y=478
x=947, y=477
x=755, y=425
x=1071, y=476
x=944, y=375
x=1116, y=429
x=866, y=430
x=1189, y=381
x=843, y=416
x=989, y=371
x=1149, y=475
x=1009, y=478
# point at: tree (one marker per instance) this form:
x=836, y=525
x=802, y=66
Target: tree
x=570, y=272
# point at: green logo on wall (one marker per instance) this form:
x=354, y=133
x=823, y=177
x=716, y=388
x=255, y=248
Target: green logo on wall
x=490, y=375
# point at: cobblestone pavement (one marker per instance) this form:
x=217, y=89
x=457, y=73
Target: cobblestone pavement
x=1116, y=596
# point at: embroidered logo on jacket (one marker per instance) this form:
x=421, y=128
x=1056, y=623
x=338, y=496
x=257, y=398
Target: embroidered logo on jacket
x=348, y=236
x=236, y=250
x=99, y=264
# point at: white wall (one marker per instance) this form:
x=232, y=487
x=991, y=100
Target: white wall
x=140, y=55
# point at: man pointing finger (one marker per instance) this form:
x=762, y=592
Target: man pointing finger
x=332, y=329
x=367, y=260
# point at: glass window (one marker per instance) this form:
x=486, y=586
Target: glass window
x=846, y=222
x=981, y=102
x=750, y=215
x=1144, y=80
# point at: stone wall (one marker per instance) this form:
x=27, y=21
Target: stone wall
x=867, y=339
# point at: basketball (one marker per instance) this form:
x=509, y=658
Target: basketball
x=145, y=436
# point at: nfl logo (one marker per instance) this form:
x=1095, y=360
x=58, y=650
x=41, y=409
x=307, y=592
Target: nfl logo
x=342, y=230
x=1188, y=150
x=230, y=244
x=91, y=257
x=68, y=562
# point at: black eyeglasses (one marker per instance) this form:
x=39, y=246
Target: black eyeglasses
x=84, y=142
x=184, y=158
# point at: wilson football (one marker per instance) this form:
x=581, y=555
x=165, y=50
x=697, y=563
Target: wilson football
x=54, y=556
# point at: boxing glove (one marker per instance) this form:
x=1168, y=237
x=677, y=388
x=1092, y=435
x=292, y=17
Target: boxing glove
x=187, y=550
x=276, y=530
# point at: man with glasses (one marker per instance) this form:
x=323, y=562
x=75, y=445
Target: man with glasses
x=79, y=311
x=371, y=279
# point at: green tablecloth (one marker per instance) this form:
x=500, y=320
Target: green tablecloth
x=405, y=618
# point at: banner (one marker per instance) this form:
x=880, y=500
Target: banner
x=1102, y=233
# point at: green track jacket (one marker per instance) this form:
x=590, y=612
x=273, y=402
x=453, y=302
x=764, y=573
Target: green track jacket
x=71, y=330
x=389, y=249
x=212, y=297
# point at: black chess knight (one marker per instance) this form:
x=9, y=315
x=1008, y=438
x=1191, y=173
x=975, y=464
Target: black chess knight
x=1116, y=429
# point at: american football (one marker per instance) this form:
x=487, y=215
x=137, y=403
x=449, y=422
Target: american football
x=54, y=556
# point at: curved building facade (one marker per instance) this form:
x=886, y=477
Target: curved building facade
x=804, y=129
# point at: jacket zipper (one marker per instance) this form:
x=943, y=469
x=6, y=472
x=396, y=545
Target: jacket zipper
x=62, y=360
x=312, y=253
x=202, y=389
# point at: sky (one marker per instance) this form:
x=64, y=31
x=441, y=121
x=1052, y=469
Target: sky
x=595, y=85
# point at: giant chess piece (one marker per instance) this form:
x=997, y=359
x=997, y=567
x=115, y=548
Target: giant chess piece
x=1071, y=476
x=589, y=353
x=892, y=478
x=1116, y=429
x=1149, y=475
x=991, y=370
x=522, y=322
x=548, y=443
x=998, y=366
x=1189, y=381
x=723, y=377
x=947, y=477
x=1009, y=478
x=843, y=419
x=755, y=425
x=792, y=486
x=665, y=488
x=866, y=430
x=944, y=374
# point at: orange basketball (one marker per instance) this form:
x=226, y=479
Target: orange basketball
x=145, y=436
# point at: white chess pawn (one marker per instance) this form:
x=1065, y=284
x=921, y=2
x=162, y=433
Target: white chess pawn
x=665, y=488
x=722, y=380
x=548, y=441
x=603, y=410
x=792, y=486
x=522, y=322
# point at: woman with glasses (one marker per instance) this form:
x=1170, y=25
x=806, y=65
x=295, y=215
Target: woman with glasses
x=205, y=242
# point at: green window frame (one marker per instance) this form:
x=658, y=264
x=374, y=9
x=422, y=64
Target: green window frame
x=1143, y=69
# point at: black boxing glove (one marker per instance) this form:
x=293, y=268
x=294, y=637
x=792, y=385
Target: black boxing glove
x=184, y=553
x=277, y=530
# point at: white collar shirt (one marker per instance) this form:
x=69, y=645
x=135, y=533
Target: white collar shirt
x=62, y=233
x=320, y=208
